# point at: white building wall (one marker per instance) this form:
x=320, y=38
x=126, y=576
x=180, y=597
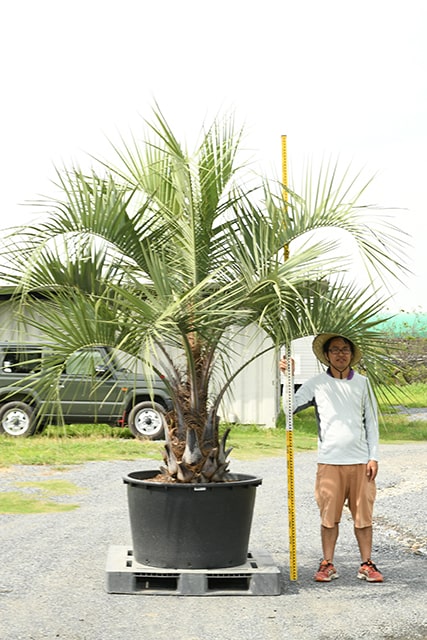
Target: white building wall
x=10, y=329
x=254, y=395
x=306, y=363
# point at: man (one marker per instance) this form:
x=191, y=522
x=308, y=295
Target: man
x=346, y=413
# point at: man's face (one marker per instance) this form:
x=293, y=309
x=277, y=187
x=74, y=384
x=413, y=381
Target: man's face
x=339, y=353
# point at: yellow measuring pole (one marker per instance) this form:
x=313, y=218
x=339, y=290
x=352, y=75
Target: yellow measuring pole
x=285, y=181
x=293, y=570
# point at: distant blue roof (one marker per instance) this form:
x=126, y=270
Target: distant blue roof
x=412, y=325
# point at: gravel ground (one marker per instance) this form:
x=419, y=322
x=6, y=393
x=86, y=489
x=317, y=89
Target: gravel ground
x=52, y=576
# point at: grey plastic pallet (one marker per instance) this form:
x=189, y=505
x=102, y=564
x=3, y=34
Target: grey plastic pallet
x=257, y=577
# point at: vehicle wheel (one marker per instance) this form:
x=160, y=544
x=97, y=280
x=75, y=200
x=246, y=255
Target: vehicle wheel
x=17, y=419
x=147, y=420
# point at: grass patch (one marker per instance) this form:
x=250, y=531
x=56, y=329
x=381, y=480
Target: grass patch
x=77, y=444
x=397, y=428
x=413, y=396
x=52, y=487
x=16, y=502
x=252, y=442
x=35, y=497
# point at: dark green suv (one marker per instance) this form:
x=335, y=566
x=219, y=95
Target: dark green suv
x=93, y=388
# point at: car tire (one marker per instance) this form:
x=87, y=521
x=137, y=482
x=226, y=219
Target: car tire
x=147, y=420
x=17, y=419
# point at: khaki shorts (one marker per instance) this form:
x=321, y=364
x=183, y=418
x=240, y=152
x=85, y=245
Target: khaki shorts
x=337, y=483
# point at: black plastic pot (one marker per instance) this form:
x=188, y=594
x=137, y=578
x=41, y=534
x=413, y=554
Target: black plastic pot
x=199, y=526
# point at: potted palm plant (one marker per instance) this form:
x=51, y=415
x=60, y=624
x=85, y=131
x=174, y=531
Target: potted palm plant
x=169, y=256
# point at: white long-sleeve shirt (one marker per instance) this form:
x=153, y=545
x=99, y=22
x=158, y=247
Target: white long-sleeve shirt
x=346, y=413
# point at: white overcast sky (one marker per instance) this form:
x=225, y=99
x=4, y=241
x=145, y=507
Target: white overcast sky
x=343, y=78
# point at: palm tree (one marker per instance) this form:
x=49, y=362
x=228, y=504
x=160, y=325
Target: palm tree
x=169, y=256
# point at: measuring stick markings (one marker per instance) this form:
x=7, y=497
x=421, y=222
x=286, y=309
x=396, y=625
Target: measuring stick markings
x=293, y=571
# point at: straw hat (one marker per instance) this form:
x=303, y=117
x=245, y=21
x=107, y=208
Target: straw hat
x=320, y=340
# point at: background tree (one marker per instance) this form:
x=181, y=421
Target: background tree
x=168, y=256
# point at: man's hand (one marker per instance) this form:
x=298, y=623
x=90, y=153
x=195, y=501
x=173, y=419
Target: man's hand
x=372, y=470
x=283, y=365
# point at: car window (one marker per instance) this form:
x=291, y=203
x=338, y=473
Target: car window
x=84, y=363
x=21, y=361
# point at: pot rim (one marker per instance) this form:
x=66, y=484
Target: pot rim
x=142, y=479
